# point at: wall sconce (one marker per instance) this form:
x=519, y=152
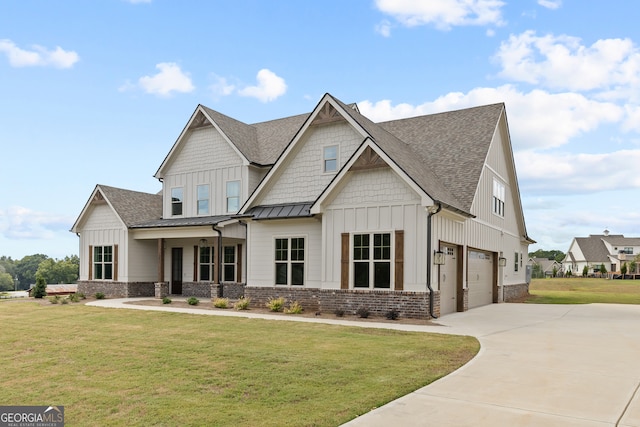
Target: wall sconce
x=502, y=262
x=203, y=243
x=438, y=258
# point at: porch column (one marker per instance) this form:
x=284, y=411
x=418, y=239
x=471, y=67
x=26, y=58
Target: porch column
x=160, y=260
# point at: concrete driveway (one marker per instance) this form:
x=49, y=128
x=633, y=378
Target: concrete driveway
x=539, y=365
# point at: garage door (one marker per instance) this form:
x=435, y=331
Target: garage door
x=448, y=282
x=480, y=278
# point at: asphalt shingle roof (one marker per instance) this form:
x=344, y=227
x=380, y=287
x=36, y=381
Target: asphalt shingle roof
x=133, y=207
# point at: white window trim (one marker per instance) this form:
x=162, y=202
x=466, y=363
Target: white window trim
x=500, y=211
x=103, y=263
x=392, y=257
x=171, y=202
x=337, y=159
x=226, y=195
x=289, y=262
x=198, y=199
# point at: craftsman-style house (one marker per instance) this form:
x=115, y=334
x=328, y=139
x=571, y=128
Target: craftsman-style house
x=420, y=215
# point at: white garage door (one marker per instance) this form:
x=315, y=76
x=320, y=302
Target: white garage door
x=448, y=281
x=480, y=278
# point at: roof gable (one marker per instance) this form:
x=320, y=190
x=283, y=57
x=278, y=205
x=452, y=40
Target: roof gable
x=131, y=207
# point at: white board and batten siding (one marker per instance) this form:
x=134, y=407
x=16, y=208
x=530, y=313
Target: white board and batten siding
x=204, y=158
x=303, y=179
x=371, y=201
x=261, y=237
x=102, y=227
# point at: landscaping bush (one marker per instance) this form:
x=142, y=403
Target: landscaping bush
x=363, y=312
x=338, y=312
x=193, y=301
x=166, y=300
x=221, y=303
x=294, y=308
x=242, y=304
x=74, y=298
x=99, y=295
x=275, y=304
x=54, y=299
x=64, y=300
x=392, y=314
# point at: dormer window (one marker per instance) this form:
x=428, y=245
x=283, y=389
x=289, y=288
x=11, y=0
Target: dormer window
x=203, y=199
x=330, y=158
x=176, y=201
x=233, y=196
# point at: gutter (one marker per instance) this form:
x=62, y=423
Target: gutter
x=219, y=260
x=430, y=213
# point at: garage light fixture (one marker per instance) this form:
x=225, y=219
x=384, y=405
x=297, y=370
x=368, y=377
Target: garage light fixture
x=502, y=262
x=438, y=258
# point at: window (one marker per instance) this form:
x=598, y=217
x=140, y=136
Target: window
x=233, y=196
x=103, y=263
x=207, y=264
x=627, y=250
x=330, y=158
x=229, y=264
x=498, y=198
x=289, y=261
x=372, y=260
x=515, y=266
x=176, y=201
x=203, y=199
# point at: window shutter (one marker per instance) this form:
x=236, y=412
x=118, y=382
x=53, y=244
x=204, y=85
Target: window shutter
x=344, y=264
x=195, y=263
x=115, y=263
x=399, y=261
x=90, y=276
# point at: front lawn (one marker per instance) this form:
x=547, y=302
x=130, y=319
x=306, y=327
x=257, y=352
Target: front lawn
x=116, y=367
x=577, y=290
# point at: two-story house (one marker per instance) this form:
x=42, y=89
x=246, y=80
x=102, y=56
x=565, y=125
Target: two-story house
x=421, y=215
x=610, y=250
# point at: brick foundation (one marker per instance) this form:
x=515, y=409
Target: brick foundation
x=408, y=304
x=117, y=289
x=514, y=293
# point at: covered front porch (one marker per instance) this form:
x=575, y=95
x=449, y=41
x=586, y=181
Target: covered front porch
x=200, y=257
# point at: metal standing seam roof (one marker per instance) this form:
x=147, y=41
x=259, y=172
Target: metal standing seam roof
x=281, y=211
x=183, y=222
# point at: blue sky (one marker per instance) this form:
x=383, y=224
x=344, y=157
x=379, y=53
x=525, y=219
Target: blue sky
x=97, y=93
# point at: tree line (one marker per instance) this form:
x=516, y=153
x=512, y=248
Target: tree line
x=21, y=274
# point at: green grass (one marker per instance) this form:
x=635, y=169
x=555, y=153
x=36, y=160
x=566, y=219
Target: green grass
x=584, y=291
x=135, y=368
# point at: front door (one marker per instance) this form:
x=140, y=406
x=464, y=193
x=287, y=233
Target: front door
x=448, y=281
x=176, y=271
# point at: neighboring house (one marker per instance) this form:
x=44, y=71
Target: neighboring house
x=610, y=250
x=545, y=267
x=421, y=215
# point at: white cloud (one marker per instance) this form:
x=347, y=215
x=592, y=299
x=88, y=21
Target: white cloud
x=221, y=87
x=17, y=223
x=578, y=173
x=562, y=62
x=443, y=14
x=550, y=4
x=169, y=79
x=38, y=56
x=269, y=87
x=537, y=119
x=384, y=28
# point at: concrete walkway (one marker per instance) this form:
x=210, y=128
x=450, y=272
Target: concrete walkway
x=539, y=365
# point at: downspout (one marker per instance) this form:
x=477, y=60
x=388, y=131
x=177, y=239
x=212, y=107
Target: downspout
x=219, y=260
x=430, y=213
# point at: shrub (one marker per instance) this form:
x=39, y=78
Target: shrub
x=392, y=314
x=99, y=295
x=73, y=298
x=221, y=302
x=363, y=312
x=54, y=299
x=64, y=300
x=339, y=312
x=193, y=301
x=294, y=308
x=242, y=304
x=275, y=304
x=166, y=300
x=40, y=289
x=80, y=295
